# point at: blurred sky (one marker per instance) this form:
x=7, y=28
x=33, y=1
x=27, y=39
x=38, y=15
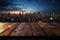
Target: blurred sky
x=29, y=5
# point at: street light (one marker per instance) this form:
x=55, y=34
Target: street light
x=51, y=18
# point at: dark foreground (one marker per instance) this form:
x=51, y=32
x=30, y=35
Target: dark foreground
x=29, y=29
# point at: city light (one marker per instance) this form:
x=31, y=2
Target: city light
x=51, y=18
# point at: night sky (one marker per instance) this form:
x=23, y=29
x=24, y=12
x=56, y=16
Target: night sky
x=29, y=5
